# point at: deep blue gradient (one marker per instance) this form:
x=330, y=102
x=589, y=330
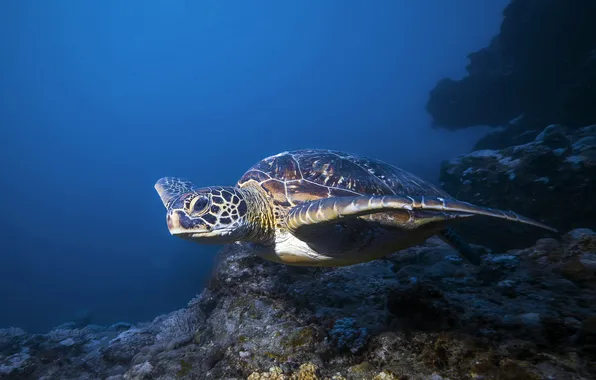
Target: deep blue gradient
x=99, y=99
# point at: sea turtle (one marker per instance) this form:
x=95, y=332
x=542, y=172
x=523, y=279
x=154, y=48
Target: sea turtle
x=321, y=208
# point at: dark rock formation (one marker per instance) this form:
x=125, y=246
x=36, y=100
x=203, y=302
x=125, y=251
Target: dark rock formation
x=518, y=131
x=551, y=179
x=541, y=64
x=419, y=314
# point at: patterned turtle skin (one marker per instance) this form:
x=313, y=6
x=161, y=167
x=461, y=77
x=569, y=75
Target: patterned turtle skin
x=316, y=207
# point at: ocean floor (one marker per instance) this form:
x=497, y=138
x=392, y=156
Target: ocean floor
x=419, y=314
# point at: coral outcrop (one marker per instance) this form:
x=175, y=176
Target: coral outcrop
x=419, y=314
x=551, y=178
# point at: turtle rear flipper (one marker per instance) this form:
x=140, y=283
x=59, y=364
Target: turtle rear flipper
x=461, y=246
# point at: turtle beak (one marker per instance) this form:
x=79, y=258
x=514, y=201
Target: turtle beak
x=181, y=225
x=176, y=222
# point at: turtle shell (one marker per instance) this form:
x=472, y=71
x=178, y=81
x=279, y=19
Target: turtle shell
x=291, y=178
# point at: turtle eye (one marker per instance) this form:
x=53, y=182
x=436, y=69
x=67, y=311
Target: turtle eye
x=199, y=204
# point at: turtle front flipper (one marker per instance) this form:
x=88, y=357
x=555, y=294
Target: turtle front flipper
x=329, y=210
x=171, y=188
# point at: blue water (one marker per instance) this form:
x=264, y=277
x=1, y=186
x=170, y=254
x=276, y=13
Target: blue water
x=100, y=99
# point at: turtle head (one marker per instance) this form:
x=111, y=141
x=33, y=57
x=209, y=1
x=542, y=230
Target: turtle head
x=215, y=215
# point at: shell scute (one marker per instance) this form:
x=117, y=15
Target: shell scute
x=255, y=175
x=304, y=175
x=304, y=191
x=276, y=189
x=282, y=167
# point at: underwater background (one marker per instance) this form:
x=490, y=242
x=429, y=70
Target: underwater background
x=492, y=101
x=100, y=99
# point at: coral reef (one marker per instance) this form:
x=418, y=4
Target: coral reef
x=550, y=178
x=418, y=314
x=345, y=335
x=541, y=64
